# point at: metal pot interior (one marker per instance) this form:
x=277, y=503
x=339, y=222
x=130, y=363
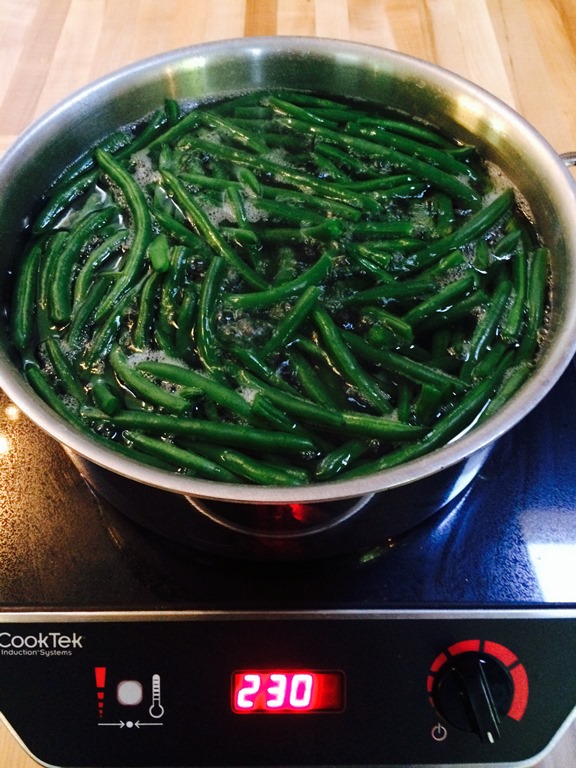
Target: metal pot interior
x=217, y=70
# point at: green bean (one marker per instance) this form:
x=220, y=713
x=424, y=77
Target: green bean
x=380, y=427
x=23, y=319
x=62, y=199
x=180, y=457
x=210, y=182
x=207, y=347
x=238, y=206
x=174, y=279
x=340, y=458
x=486, y=329
x=368, y=266
x=403, y=401
x=391, y=290
x=63, y=369
x=142, y=230
x=310, y=382
x=104, y=395
x=402, y=365
x=105, y=332
x=293, y=110
x=54, y=247
x=507, y=246
x=380, y=183
x=163, y=118
x=234, y=435
x=61, y=290
x=399, y=247
x=374, y=253
x=512, y=326
x=314, y=351
x=153, y=126
x=228, y=128
x=249, y=180
x=386, y=328
x=254, y=470
x=253, y=363
x=207, y=229
x=45, y=389
x=185, y=322
x=291, y=322
x=290, y=213
x=411, y=190
x=478, y=224
x=329, y=229
x=466, y=307
x=473, y=402
x=314, y=101
x=114, y=237
x=443, y=212
x=513, y=381
x=261, y=299
x=114, y=144
x=159, y=253
x=427, y=406
x=267, y=415
x=83, y=312
x=142, y=333
x=346, y=363
x=481, y=260
x=186, y=123
x=490, y=360
x=329, y=170
x=177, y=230
x=164, y=341
x=133, y=380
x=221, y=394
x=172, y=111
x=536, y=298
x=286, y=265
x=325, y=371
x=448, y=265
x=384, y=229
x=344, y=159
x=444, y=298
x=246, y=238
x=408, y=129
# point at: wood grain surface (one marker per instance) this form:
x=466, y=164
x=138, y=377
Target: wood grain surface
x=523, y=51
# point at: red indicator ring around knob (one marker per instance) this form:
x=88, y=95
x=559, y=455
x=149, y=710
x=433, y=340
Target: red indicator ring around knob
x=486, y=649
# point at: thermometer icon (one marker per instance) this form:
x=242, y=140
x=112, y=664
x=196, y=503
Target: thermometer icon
x=156, y=709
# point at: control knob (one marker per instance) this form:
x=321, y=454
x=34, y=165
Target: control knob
x=474, y=685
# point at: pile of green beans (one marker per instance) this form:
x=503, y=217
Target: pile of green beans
x=280, y=289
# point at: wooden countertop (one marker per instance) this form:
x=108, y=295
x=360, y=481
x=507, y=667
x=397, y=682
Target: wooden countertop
x=523, y=51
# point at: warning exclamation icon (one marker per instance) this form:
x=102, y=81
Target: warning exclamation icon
x=100, y=673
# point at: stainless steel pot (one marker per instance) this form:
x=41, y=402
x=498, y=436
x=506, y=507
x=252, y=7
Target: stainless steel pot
x=225, y=68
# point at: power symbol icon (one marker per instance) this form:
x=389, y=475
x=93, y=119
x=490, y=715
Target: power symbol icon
x=439, y=732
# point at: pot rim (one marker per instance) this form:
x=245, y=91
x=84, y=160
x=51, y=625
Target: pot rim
x=556, y=357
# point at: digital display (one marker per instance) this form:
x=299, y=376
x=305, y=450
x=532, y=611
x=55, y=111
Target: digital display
x=267, y=691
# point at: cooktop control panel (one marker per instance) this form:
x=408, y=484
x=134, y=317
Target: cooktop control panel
x=262, y=689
